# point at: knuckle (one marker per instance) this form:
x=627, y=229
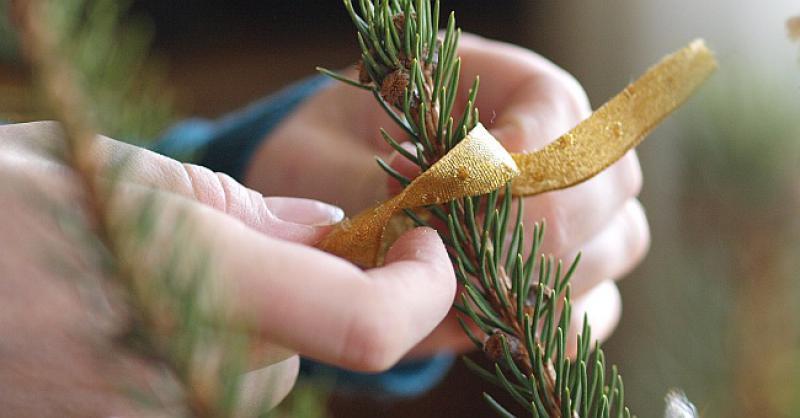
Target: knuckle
x=568, y=95
x=217, y=190
x=576, y=101
x=631, y=175
x=197, y=180
x=638, y=230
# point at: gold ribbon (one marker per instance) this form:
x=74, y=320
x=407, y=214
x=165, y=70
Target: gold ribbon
x=479, y=164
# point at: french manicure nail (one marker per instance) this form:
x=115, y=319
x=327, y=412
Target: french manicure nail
x=304, y=211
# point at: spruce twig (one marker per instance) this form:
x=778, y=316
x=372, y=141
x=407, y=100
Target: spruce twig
x=414, y=73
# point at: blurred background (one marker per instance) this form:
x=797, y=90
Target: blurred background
x=714, y=308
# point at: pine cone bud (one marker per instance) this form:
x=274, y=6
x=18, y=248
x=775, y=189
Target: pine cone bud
x=493, y=347
x=363, y=74
x=399, y=21
x=394, y=87
x=534, y=293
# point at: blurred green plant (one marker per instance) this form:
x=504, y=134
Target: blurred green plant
x=110, y=50
x=94, y=76
x=306, y=401
x=8, y=38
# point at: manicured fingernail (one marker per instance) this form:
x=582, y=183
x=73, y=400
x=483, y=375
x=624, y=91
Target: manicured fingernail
x=304, y=211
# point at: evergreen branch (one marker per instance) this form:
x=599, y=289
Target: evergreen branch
x=415, y=75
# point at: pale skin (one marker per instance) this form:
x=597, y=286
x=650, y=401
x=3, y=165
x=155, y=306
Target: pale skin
x=299, y=299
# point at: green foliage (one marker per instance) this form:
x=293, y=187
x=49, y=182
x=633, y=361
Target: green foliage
x=305, y=401
x=8, y=44
x=175, y=321
x=110, y=49
x=413, y=72
x=744, y=137
x=172, y=320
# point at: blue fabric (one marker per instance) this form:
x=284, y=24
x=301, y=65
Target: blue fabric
x=410, y=378
x=227, y=145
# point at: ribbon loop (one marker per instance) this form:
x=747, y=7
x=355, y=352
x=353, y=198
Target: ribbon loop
x=477, y=165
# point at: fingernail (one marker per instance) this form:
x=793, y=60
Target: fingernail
x=304, y=211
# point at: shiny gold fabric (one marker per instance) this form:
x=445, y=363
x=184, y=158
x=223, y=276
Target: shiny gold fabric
x=479, y=164
x=617, y=126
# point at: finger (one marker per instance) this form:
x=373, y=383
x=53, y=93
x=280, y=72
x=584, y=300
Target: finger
x=263, y=389
x=613, y=252
x=321, y=138
x=313, y=159
x=297, y=296
x=299, y=220
x=409, y=246
x=576, y=214
x=39, y=146
x=449, y=336
x=536, y=115
x=603, y=308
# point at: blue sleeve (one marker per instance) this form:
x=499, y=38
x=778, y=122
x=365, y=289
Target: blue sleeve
x=226, y=145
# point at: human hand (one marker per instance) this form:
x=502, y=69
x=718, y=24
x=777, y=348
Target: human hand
x=526, y=102
x=264, y=273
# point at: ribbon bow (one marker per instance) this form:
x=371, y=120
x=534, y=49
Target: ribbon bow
x=479, y=164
